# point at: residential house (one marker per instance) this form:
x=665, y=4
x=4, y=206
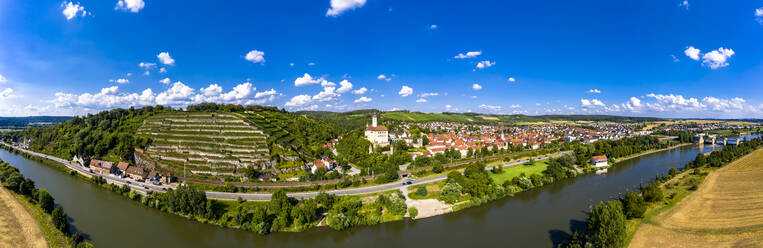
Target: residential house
x=325, y=163
x=122, y=166
x=135, y=172
x=599, y=161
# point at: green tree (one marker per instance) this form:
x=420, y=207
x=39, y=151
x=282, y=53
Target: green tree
x=607, y=225
x=652, y=192
x=451, y=192
x=337, y=220
x=59, y=220
x=45, y=200
x=633, y=205
x=412, y=211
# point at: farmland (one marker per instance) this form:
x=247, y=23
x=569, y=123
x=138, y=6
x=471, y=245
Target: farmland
x=725, y=211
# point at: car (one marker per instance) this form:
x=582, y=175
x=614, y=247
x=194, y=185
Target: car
x=145, y=187
x=128, y=182
x=165, y=189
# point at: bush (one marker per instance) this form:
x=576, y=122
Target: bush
x=59, y=220
x=633, y=205
x=413, y=212
x=451, y=192
x=45, y=200
x=437, y=169
x=524, y=183
x=652, y=192
x=421, y=191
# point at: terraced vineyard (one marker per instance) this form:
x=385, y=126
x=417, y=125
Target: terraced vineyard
x=214, y=143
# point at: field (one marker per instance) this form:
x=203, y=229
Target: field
x=726, y=211
x=17, y=227
x=516, y=170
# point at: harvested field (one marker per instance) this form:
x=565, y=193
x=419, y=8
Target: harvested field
x=726, y=211
x=17, y=227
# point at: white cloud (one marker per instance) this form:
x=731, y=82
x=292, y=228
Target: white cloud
x=270, y=92
x=240, y=92
x=363, y=99
x=421, y=100
x=179, y=93
x=476, y=87
x=299, y=100
x=325, y=83
x=306, y=80
x=428, y=94
x=491, y=107
x=449, y=107
x=256, y=56
x=291, y=64
x=130, y=5
x=165, y=58
x=383, y=77
x=511, y=80
x=759, y=15
x=165, y=81
x=405, y=91
x=311, y=64
x=433, y=27
x=7, y=93
x=340, y=6
x=684, y=4
x=515, y=106
x=328, y=94
x=675, y=59
x=3, y=79
x=692, y=53
x=360, y=91
x=635, y=102
x=212, y=90
x=162, y=70
x=591, y=103
x=344, y=87
x=471, y=54
x=71, y=10
x=595, y=91
x=119, y=80
x=485, y=64
x=717, y=58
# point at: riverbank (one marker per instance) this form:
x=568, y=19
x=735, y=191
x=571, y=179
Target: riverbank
x=651, y=151
x=18, y=228
x=724, y=211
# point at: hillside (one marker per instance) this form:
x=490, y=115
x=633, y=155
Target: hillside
x=205, y=142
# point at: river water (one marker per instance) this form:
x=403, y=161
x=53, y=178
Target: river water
x=536, y=218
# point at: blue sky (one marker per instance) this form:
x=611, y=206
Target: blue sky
x=640, y=58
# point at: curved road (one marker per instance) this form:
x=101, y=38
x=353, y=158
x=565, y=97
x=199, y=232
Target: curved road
x=141, y=187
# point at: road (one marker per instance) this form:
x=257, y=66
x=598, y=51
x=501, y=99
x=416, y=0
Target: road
x=139, y=187
x=364, y=190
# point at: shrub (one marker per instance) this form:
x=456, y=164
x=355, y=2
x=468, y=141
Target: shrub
x=437, y=169
x=45, y=200
x=652, y=193
x=421, y=191
x=413, y=212
x=633, y=205
x=59, y=220
x=451, y=192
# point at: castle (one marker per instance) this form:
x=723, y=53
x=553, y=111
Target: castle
x=377, y=134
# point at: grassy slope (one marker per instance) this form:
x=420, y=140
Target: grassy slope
x=54, y=237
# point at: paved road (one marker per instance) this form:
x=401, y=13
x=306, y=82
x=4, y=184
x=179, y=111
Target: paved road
x=260, y=196
x=137, y=186
x=354, y=191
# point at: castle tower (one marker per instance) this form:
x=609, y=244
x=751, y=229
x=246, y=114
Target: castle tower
x=373, y=120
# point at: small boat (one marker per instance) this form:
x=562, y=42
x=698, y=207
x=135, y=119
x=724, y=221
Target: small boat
x=602, y=171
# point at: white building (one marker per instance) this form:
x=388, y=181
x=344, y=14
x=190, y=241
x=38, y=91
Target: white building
x=599, y=161
x=377, y=134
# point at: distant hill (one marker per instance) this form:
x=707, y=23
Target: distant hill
x=358, y=118
x=23, y=122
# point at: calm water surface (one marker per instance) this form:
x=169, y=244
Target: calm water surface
x=536, y=218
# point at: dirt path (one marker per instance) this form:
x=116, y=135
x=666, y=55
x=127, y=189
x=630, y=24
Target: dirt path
x=17, y=227
x=426, y=207
x=726, y=211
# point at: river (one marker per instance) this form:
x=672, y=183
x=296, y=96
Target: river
x=536, y=218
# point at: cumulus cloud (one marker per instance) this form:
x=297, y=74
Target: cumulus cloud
x=72, y=10
x=491, y=107
x=363, y=99
x=340, y=6
x=433, y=27
x=421, y=100
x=327, y=94
x=591, y=103
x=165, y=81
x=717, y=58
x=267, y=93
x=162, y=70
x=692, y=52
x=595, y=91
x=179, y=93
x=298, y=100
x=428, y=94
x=383, y=77
x=476, y=87
x=119, y=80
x=449, y=107
x=7, y=93
x=360, y=91
x=3, y=79
x=759, y=15
x=344, y=87
x=130, y=5
x=514, y=106
x=485, y=64
x=405, y=91
x=165, y=58
x=467, y=55
x=684, y=4
x=255, y=56
x=306, y=80
x=511, y=80
x=212, y=90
